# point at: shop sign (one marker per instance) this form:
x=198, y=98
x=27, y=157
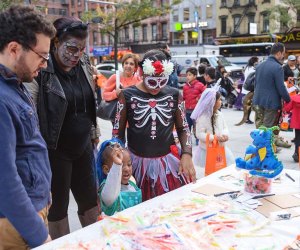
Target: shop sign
x=292, y=37
x=102, y=51
x=193, y=25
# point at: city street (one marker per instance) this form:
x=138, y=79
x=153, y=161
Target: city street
x=239, y=139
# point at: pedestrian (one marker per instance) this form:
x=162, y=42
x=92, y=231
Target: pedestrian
x=67, y=117
x=25, y=177
x=128, y=77
x=250, y=68
x=201, y=71
x=152, y=109
x=192, y=91
x=117, y=189
x=269, y=90
x=209, y=120
x=294, y=106
x=291, y=70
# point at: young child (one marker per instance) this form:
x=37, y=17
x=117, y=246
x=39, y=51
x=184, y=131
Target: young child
x=294, y=106
x=192, y=91
x=210, y=120
x=117, y=192
x=152, y=109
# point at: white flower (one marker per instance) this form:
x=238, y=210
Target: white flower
x=148, y=68
x=168, y=67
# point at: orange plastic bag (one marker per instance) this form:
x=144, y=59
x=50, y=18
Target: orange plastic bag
x=215, y=156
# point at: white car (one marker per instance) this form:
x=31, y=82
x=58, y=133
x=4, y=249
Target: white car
x=108, y=69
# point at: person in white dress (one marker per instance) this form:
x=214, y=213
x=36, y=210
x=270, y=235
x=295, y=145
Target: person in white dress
x=209, y=119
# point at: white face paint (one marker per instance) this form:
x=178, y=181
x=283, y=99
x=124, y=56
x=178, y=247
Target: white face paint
x=70, y=52
x=156, y=82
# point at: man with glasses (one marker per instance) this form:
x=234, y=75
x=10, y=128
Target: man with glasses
x=25, y=170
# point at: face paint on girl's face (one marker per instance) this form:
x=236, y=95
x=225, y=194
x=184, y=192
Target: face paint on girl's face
x=70, y=51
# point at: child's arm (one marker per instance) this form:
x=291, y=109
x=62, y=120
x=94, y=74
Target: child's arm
x=288, y=106
x=201, y=130
x=120, y=121
x=112, y=186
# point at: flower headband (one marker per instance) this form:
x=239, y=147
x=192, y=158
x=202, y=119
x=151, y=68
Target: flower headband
x=157, y=67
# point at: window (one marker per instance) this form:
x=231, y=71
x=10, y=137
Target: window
x=178, y=38
x=63, y=12
x=154, y=31
x=266, y=23
x=136, y=34
x=192, y=38
x=164, y=2
x=126, y=31
x=79, y=2
x=236, y=3
x=209, y=13
x=251, y=18
x=95, y=38
x=102, y=38
x=79, y=13
x=175, y=15
x=186, y=14
x=164, y=31
x=144, y=30
x=223, y=3
x=236, y=22
x=223, y=25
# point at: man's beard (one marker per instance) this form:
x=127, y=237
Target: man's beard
x=22, y=70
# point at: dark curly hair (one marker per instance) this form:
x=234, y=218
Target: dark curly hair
x=21, y=24
x=67, y=27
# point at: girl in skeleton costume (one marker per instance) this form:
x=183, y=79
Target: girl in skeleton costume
x=151, y=110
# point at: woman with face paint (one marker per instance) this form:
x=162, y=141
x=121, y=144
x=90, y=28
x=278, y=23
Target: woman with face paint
x=152, y=109
x=127, y=78
x=67, y=115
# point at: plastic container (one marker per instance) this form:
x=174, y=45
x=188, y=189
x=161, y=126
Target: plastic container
x=257, y=184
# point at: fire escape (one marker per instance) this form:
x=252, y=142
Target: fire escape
x=237, y=6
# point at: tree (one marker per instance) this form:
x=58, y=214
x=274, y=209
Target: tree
x=285, y=14
x=126, y=13
x=4, y=4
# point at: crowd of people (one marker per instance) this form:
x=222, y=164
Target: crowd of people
x=49, y=133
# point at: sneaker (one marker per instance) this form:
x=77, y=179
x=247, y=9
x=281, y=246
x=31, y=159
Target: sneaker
x=279, y=142
x=249, y=122
x=296, y=157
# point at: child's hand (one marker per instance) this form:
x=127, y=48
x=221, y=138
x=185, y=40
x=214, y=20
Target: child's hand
x=117, y=156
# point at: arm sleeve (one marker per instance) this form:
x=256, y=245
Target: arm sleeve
x=279, y=83
x=225, y=130
x=15, y=204
x=182, y=128
x=109, y=91
x=120, y=118
x=112, y=186
x=202, y=129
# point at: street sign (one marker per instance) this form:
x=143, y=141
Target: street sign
x=102, y=51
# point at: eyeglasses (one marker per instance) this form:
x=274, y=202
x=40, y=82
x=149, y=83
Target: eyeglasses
x=44, y=58
x=153, y=82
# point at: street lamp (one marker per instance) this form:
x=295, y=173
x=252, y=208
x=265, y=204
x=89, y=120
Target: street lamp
x=115, y=31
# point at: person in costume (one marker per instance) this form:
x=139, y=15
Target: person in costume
x=151, y=110
x=114, y=167
x=209, y=119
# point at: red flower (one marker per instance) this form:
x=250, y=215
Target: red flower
x=158, y=67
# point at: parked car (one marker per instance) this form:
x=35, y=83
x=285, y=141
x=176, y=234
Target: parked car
x=235, y=71
x=108, y=69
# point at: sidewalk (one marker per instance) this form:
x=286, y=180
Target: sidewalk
x=239, y=140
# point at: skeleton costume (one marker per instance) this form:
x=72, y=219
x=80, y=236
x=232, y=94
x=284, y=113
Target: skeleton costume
x=151, y=119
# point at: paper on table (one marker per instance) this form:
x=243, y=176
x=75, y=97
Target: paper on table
x=210, y=189
x=284, y=200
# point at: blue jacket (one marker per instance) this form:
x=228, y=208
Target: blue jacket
x=25, y=174
x=269, y=85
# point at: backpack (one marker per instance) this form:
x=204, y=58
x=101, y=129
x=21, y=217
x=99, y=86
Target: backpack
x=250, y=82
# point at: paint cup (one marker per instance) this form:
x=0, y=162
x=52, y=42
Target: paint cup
x=257, y=184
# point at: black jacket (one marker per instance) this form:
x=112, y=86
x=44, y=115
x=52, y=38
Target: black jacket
x=52, y=103
x=287, y=72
